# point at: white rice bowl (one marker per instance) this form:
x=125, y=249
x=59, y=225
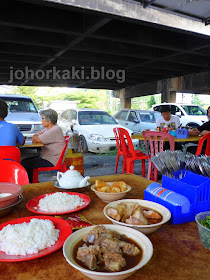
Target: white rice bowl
x=28, y=238
x=60, y=202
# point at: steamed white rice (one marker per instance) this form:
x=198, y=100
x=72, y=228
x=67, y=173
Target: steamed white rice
x=28, y=238
x=60, y=202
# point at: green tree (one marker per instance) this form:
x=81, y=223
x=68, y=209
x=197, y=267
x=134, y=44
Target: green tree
x=196, y=100
x=151, y=101
x=23, y=90
x=88, y=99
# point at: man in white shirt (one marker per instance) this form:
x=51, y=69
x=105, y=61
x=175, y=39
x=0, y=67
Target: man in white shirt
x=167, y=120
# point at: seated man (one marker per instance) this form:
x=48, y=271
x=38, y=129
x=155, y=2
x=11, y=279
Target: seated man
x=170, y=121
x=167, y=120
x=202, y=130
x=9, y=132
x=53, y=140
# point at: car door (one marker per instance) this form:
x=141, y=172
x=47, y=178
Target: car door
x=64, y=121
x=132, y=121
x=121, y=117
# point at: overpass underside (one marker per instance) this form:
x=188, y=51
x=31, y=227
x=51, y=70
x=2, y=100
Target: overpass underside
x=159, y=52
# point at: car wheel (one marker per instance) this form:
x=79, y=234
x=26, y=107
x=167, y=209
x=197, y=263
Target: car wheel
x=193, y=125
x=83, y=143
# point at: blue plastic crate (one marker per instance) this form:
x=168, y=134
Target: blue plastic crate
x=182, y=133
x=184, y=197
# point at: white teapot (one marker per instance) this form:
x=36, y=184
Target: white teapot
x=71, y=179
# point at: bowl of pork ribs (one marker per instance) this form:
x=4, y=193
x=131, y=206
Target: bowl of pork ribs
x=107, y=252
x=143, y=215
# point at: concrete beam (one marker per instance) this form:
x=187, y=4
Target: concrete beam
x=193, y=83
x=134, y=10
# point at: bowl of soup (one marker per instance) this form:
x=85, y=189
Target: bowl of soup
x=102, y=257
x=143, y=215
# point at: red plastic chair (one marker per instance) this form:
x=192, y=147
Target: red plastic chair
x=119, y=151
x=13, y=172
x=129, y=153
x=60, y=166
x=156, y=140
x=10, y=152
x=200, y=145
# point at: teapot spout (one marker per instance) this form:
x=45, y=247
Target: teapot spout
x=84, y=182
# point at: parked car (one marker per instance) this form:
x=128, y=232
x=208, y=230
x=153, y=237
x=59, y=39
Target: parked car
x=23, y=112
x=95, y=128
x=137, y=120
x=189, y=114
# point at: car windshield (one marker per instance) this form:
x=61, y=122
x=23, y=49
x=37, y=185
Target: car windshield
x=95, y=118
x=16, y=105
x=194, y=110
x=149, y=117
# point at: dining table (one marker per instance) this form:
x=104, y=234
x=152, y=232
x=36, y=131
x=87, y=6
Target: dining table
x=31, y=144
x=190, y=138
x=178, y=253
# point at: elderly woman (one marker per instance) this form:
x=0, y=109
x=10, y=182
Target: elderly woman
x=53, y=140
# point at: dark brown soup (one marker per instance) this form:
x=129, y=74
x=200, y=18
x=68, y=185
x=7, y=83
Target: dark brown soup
x=131, y=261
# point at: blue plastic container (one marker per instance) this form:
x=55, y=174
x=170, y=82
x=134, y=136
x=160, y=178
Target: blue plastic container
x=183, y=197
x=172, y=132
x=182, y=133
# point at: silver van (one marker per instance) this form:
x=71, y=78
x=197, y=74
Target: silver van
x=23, y=112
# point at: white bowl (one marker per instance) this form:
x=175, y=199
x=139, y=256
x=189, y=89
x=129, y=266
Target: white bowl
x=146, y=229
x=142, y=240
x=109, y=197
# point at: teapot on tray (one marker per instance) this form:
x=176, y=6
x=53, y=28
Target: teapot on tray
x=71, y=179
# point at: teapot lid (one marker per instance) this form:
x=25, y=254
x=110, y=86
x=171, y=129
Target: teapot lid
x=73, y=172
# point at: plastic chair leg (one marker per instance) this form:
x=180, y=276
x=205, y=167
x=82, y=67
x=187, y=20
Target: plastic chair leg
x=155, y=174
x=143, y=167
x=64, y=169
x=117, y=161
x=149, y=170
x=128, y=166
x=35, y=176
x=124, y=165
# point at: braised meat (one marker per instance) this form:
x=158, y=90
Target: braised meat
x=134, y=214
x=88, y=255
x=131, y=249
x=104, y=246
x=114, y=262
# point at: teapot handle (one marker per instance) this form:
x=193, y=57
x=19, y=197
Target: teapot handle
x=59, y=175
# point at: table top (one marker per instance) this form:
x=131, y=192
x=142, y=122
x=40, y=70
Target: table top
x=178, y=253
x=191, y=138
x=31, y=144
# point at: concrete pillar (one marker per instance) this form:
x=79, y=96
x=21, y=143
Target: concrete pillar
x=172, y=97
x=165, y=93
x=124, y=102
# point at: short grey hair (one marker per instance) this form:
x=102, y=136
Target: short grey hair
x=50, y=115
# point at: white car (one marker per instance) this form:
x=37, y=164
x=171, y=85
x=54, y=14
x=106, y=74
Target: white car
x=95, y=128
x=189, y=114
x=23, y=112
x=137, y=120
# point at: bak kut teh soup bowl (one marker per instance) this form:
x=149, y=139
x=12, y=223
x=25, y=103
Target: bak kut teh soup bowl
x=146, y=229
x=140, y=239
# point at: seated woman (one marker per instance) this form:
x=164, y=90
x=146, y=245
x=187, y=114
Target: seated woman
x=53, y=140
x=202, y=130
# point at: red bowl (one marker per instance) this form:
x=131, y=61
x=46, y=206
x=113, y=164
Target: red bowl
x=8, y=188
